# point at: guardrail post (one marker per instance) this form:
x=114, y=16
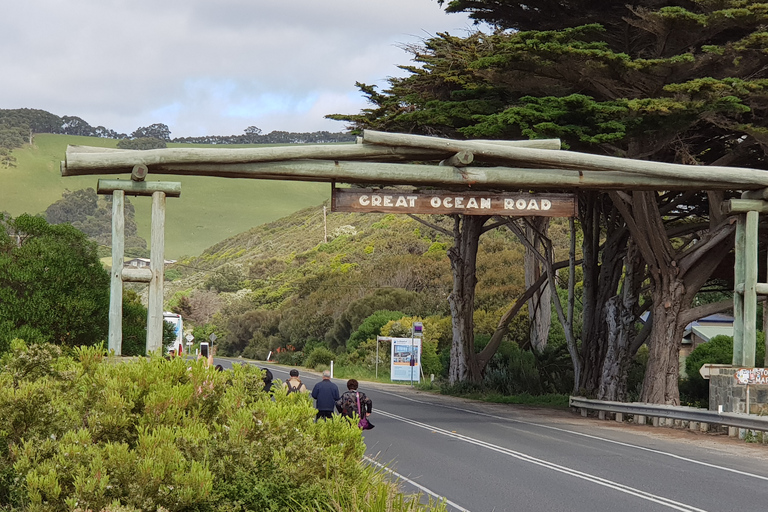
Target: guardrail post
x=619, y=417
x=640, y=419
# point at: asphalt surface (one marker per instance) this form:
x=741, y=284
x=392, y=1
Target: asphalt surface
x=494, y=457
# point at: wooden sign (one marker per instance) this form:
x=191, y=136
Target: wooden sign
x=469, y=203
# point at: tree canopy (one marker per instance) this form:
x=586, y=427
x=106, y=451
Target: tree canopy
x=681, y=82
x=52, y=285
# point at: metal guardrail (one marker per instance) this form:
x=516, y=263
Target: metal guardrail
x=729, y=419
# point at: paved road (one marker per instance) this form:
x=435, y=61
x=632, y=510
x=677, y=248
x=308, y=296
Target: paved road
x=491, y=457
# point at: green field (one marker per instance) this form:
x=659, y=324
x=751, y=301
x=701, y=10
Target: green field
x=208, y=211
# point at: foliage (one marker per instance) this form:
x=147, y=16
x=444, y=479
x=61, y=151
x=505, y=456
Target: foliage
x=371, y=327
x=718, y=350
x=228, y=278
x=52, y=285
x=158, y=131
x=142, y=143
x=319, y=356
x=86, y=433
x=93, y=216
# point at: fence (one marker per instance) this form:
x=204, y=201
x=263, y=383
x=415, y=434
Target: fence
x=641, y=411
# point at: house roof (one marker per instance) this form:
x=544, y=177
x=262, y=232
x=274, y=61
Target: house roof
x=707, y=332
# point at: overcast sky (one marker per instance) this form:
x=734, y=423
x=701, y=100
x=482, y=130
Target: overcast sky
x=208, y=67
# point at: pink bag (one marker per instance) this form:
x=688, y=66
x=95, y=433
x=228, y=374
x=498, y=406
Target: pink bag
x=363, y=423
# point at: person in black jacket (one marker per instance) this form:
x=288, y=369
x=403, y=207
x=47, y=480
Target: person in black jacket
x=325, y=394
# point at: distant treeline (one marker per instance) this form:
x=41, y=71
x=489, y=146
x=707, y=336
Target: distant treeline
x=18, y=125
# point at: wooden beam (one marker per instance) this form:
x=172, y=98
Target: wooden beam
x=84, y=160
x=139, y=188
x=745, y=205
x=737, y=176
x=139, y=172
x=460, y=159
x=481, y=178
x=137, y=275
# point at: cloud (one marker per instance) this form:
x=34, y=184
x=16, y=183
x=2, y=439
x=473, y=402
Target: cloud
x=204, y=67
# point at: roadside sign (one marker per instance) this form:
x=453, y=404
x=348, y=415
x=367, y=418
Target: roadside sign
x=708, y=370
x=747, y=376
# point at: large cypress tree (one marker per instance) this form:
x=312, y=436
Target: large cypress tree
x=677, y=82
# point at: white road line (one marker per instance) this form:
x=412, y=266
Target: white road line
x=417, y=485
x=589, y=436
x=675, y=505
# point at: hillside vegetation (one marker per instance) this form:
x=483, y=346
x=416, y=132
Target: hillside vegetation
x=280, y=287
x=208, y=211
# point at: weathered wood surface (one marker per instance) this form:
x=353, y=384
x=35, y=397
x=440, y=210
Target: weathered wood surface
x=81, y=159
x=737, y=176
x=115, y=340
x=531, y=164
x=139, y=188
x=502, y=178
x=157, y=266
x=444, y=202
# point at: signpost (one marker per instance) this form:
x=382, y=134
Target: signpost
x=403, y=351
x=468, y=203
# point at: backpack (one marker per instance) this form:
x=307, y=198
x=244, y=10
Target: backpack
x=267, y=380
x=292, y=389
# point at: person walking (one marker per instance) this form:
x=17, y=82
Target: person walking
x=293, y=384
x=354, y=402
x=325, y=393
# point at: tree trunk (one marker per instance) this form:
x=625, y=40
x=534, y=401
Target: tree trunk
x=463, y=255
x=620, y=314
x=539, y=305
x=663, y=371
x=603, y=267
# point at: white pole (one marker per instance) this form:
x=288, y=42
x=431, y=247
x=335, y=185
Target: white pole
x=412, y=361
x=377, y=357
x=331, y=369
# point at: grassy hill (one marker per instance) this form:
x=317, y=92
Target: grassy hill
x=208, y=211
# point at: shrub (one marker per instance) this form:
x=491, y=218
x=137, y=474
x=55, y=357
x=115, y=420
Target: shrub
x=320, y=356
x=719, y=350
x=82, y=432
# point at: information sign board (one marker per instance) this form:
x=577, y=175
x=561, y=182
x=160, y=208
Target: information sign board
x=405, y=357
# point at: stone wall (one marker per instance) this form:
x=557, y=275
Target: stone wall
x=725, y=392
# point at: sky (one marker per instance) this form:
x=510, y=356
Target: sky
x=208, y=67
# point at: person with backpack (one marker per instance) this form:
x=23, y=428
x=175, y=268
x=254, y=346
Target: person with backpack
x=293, y=384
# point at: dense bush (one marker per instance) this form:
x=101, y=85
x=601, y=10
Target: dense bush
x=319, y=356
x=719, y=350
x=85, y=433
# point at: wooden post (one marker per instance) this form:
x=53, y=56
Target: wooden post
x=115, y=341
x=738, y=296
x=157, y=266
x=750, y=294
